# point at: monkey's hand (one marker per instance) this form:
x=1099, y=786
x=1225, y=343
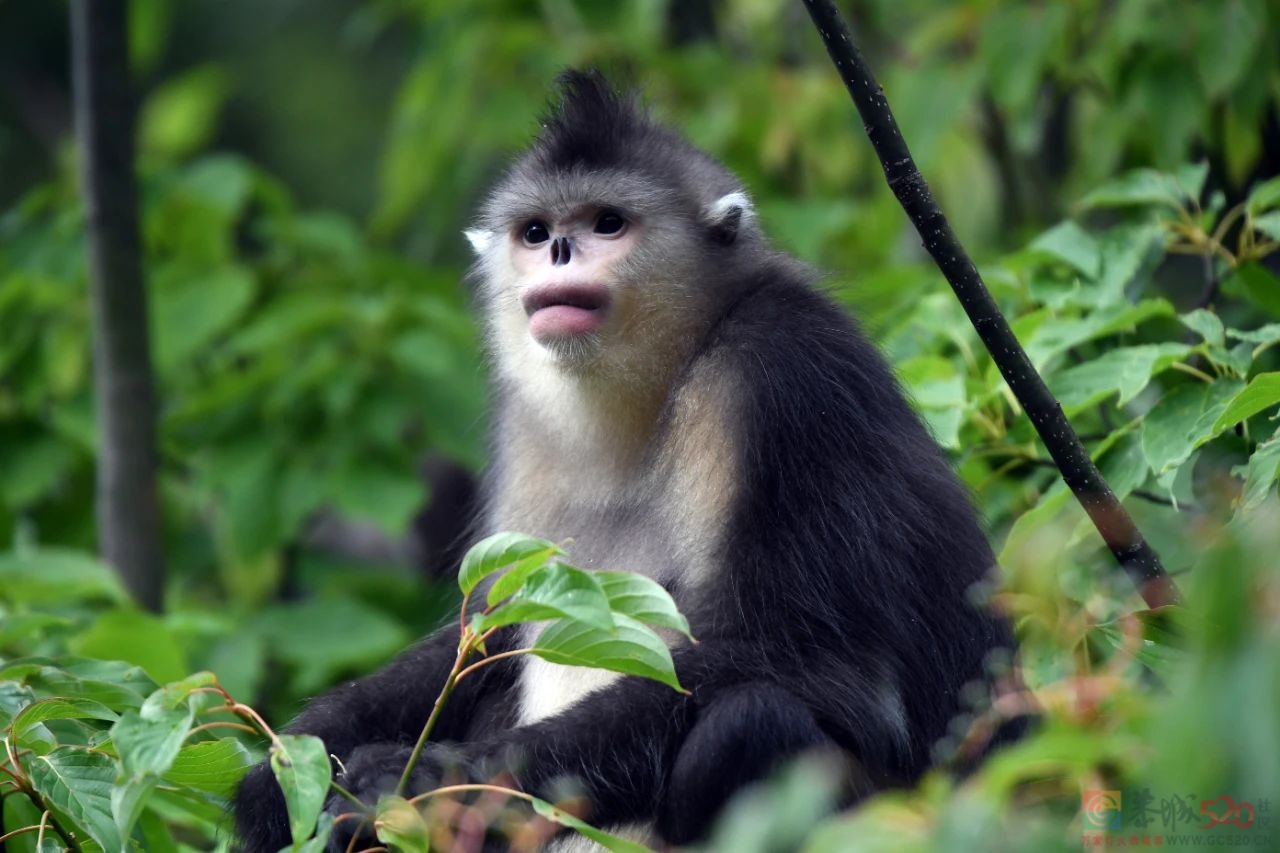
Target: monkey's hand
x=374, y=770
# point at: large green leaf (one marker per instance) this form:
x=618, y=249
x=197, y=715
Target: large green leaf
x=1071, y=244
x=147, y=742
x=77, y=784
x=1125, y=371
x=116, y=685
x=188, y=314
x=1149, y=187
x=1261, y=473
x=496, y=553
x=137, y=637
x=1262, y=392
x=57, y=575
x=58, y=708
x=216, y=766
x=642, y=599
x=301, y=766
x=303, y=636
x=1183, y=420
x=632, y=648
x=552, y=592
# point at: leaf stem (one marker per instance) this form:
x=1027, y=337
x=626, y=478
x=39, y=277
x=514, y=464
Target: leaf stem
x=477, y=786
x=491, y=659
x=464, y=648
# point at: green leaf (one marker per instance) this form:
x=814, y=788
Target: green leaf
x=302, y=635
x=1264, y=197
x=1262, y=392
x=1260, y=473
x=147, y=743
x=514, y=578
x=58, y=708
x=180, y=116
x=496, y=553
x=1126, y=371
x=51, y=576
x=136, y=637
x=633, y=648
x=1228, y=35
x=553, y=592
x=401, y=825
x=1269, y=224
x=1148, y=187
x=609, y=842
x=1183, y=420
x=1206, y=324
x=301, y=766
x=117, y=685
x=77, y=783
x=1259, y=285
x=215, y=766
x=388, y=498
x=320, y=843
x=188, y=314
x=642, y=599
x=1072, y=245
x=937, y=390
x=1267, y=334
x=1056, y=335
x=174, y=693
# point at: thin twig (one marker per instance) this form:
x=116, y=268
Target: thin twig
x=1114, y=524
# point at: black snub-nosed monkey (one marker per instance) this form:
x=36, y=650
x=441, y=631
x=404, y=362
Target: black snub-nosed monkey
x=680, y=400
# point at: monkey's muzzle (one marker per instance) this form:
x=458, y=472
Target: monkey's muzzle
x=565, y=310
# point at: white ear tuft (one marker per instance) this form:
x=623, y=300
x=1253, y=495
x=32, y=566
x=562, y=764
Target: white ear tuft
x=723, y=206
x=726, y=214
x=479, y=239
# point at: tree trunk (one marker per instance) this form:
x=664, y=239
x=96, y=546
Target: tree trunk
x=127, y=511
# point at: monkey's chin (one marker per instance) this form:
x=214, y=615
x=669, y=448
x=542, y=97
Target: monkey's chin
x=573, y=353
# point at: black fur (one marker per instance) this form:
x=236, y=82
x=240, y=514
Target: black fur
x=839, y=617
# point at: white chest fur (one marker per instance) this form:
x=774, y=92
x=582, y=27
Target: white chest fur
x=546, y=689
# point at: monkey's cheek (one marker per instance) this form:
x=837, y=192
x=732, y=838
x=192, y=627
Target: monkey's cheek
x=557, y=322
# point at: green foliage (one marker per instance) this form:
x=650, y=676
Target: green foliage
x=308, y=359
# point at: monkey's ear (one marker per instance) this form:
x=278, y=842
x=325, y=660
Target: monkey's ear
x=725, y=216
x=479, y=239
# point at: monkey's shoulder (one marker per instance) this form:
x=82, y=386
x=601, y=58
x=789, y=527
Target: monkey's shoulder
x=793, y=350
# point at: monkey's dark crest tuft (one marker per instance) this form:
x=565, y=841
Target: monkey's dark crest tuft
x=590, y=124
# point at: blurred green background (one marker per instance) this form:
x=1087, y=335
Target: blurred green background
x=306, y=169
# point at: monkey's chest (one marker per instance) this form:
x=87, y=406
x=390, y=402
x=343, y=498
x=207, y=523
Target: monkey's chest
x=546, y=689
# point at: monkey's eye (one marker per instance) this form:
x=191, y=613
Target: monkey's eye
x=610, y=222
x=536, y=232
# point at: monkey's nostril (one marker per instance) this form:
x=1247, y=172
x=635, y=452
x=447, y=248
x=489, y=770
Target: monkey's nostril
x=560, y=251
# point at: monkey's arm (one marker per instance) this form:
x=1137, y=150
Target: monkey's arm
x=388, y=707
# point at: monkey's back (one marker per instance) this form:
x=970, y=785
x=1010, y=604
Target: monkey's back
x=849, y=538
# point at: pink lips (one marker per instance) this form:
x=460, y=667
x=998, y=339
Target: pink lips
x=565, y=310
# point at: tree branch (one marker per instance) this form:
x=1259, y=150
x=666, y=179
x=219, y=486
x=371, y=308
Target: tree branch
x=128, y=515
x=1115, y=525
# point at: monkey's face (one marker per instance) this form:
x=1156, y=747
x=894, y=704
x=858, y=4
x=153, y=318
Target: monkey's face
x=567, y=275
x=588, y=286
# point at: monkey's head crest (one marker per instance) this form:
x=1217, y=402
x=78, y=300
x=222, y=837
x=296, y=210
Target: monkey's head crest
x=590, y=124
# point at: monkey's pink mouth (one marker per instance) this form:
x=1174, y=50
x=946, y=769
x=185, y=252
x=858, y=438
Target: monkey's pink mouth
x=565, y=310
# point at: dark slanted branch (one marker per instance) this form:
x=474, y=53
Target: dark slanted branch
x=1119, y=532
x=127, y=511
